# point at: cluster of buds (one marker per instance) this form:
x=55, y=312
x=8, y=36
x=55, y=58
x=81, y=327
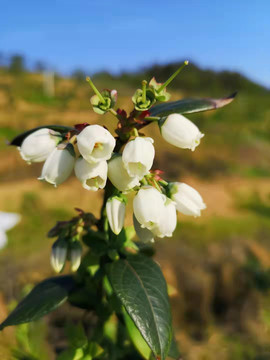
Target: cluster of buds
x=68, y=246
x=96, y=156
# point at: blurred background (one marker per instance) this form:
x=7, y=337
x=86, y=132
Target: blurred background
x=218, y=265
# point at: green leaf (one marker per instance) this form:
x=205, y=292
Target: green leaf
x=17, y=141
x=136, y=337
x=174, y=352
x=44, y=298
x=140, y=343
x=71, y=354
x=139, y=284
x=188, y=106
x=76, y=335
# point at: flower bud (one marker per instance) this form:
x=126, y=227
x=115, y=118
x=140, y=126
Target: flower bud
x=37, y=146
x=181, y=132
x=138, y=156
x=59, y=255
x=92, y=176
x=119, y=176
x=142, y=104
x=148, y=207
x=143, y=234
x=188, y=200
x=75, y=255
x=59, y=165
x=101, y=107
x=116, y=209
x=95, y=143
x=168, y=220
x=162, y=95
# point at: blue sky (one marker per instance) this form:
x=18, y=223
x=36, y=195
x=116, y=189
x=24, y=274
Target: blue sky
x=117, y=34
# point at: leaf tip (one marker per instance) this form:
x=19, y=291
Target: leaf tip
x=225, y=101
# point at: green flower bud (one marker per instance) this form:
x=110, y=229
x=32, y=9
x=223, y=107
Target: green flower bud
x=109, y=100
x=141, y=102
x=161, y=95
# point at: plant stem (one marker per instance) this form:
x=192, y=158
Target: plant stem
x=88, y=79
x=152, y=118
x=144, y=83
x=172, y=77
x=114, y=113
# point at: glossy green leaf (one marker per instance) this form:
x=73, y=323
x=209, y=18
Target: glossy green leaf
x=44, y=298
x=139, y=284
x=136, y=337
x=17, y=141
x=140, y=343
x=188, y=106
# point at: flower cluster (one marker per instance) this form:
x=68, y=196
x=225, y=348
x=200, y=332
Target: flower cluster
x=120, y=164
x=155, y=202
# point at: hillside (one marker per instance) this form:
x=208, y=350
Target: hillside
x=208, y=256
x=192, y=79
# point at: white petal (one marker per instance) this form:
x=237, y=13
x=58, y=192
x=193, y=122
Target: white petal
x=181, y=132
x=75, y=257
x=37, y=146
x=188, y=200
x=148, y=206
x=92, y=176
x=119, y=176
x=58, y=257
x=58, y=167
x=168, y=220
x=95, y=143
x=116, y=210
x=8, y=220
x=143, y=234
x=138, y=156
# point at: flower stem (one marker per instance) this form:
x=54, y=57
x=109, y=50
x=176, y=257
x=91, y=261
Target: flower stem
x=152, y=118
x=157, y=185
x=73, y=139
x=172, y=77
x=114, y=113
x=101, y=98
x=135, y=132
x=144, y=83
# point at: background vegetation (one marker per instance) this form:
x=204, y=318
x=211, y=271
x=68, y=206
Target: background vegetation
x=217, y=266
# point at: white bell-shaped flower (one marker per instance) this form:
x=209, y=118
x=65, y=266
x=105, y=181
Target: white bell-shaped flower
x=59, y=165
x=181, y=132
x=59, y=255
x=7, y=222
x=92, y=176
x=119, y=176
x=168, y=220
x=95, y=143
x=37, y=146
x=143, y=234
x=148, y=207
x=188, y=200
x=116, y=210
x=138, y=156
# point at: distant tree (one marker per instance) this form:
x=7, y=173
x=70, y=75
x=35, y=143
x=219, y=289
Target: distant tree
x=2, y=60
x=17, y=64
x=78, y=75
x=39, y=66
